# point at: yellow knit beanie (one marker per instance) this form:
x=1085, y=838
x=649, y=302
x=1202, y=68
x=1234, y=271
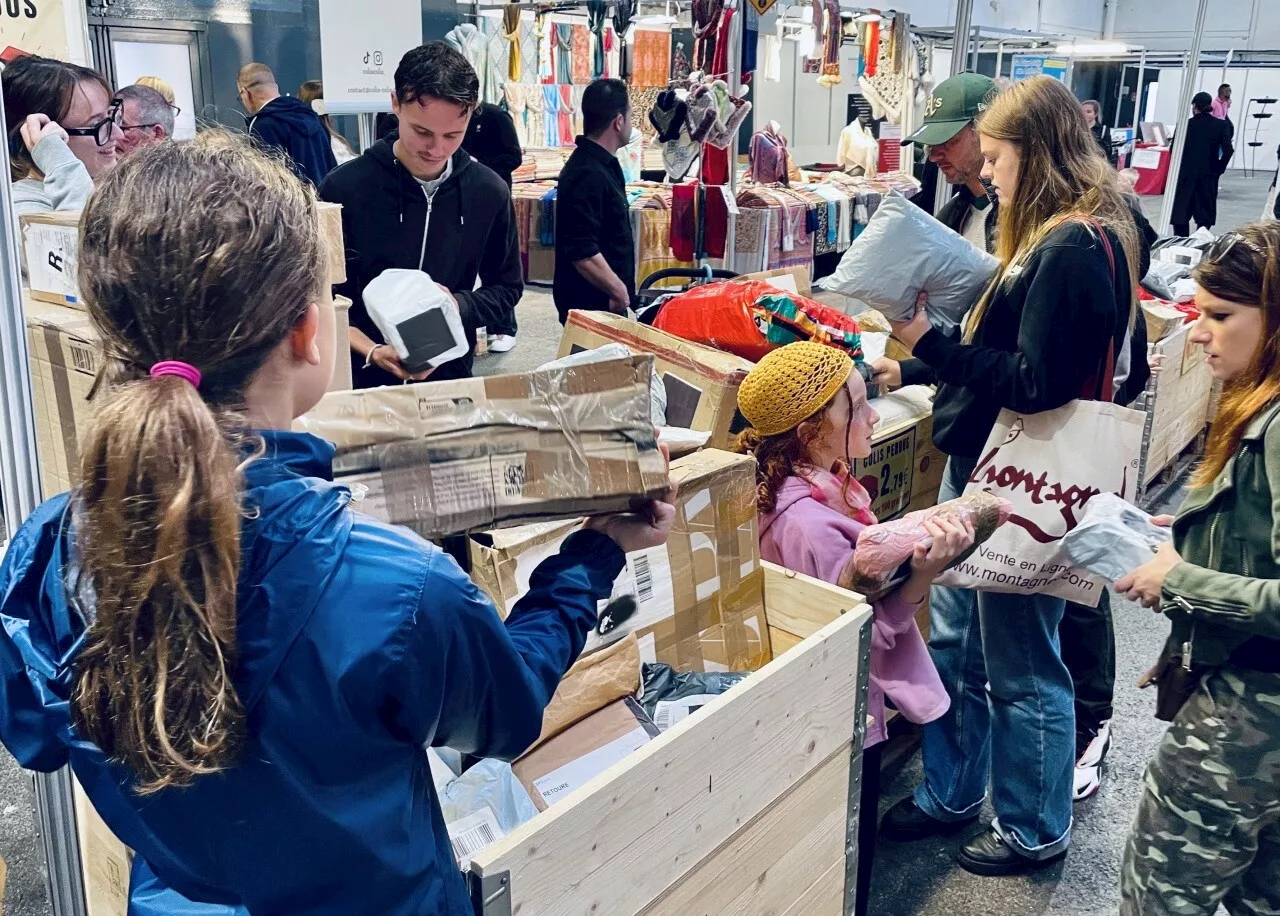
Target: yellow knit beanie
x=791, y=384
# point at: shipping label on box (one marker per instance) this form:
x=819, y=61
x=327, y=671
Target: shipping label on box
x=50, y=241
x=887, y=473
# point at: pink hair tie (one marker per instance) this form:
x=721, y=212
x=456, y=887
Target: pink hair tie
x=178, y=368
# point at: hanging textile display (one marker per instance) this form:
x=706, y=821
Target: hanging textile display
x=597, y=11
x=751, y=249
x=731, y=112
x=551, y=114
x=543, y=29
x=750, y=42
x=773, y=53
x=517, y=107
x=471, y=43
x=644, y=98
x=650, y=58
x=623, y=12
x=511, y=32
x=581, y=66
x=534, y=104
x=818, y=12
x=831, y=46
x=871, y=48
x=495, y=80
x=567, y=111
x=562, y=32
x=706, y=23
x=611, y=52
x=680, y=68
x=578, y=92
x=885, y=87
x=668, y=116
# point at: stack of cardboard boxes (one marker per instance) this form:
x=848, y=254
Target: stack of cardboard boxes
x=65, y=354
x=1182, y=401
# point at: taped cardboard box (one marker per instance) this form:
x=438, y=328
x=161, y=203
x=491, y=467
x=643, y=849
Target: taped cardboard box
x=696, y=603
x=472, y=454
x=789, y=279
x=582, y=752
x=595, y=681
x=50, y=242
x=701, y=382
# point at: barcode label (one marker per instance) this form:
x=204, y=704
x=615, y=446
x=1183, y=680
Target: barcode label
x=471, y=834
x=82, y=358
x=669, y=712
x=644, y=578
x=466, y=845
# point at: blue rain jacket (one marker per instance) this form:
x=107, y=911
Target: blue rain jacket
x=359, y=643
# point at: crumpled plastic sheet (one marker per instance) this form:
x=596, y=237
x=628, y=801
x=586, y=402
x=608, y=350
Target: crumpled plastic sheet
x=1114, y=537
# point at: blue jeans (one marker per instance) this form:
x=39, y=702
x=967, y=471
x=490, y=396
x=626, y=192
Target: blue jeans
x=1012, y=718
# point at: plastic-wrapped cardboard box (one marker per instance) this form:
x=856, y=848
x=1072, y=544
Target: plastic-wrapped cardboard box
x=701, y=382
x=50, y=242
x=696, y=603
x=451, y=457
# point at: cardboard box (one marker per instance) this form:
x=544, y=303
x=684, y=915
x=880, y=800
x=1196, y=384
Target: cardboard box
x=1162, y=320
x=468, y=455
x=790, y=279
x=701, y=382
x=889, y=473
x=551, y=771
x=342, y=351
x=64, y=357
x=50, y=241
x=698, y=600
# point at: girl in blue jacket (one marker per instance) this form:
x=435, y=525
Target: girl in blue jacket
x=241, y=670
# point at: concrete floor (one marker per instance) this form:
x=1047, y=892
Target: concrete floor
x=1240, y=201
x=911, y=879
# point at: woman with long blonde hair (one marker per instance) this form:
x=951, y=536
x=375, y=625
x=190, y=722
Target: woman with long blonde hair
x=1044, y=334
x=1208, y=826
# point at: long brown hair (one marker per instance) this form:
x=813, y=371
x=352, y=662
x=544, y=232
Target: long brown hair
x=1063, y=176
x=1244, y=267
x=39, y=85
x=206, y=252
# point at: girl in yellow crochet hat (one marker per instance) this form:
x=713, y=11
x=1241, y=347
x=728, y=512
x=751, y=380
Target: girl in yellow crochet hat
x=810, y=420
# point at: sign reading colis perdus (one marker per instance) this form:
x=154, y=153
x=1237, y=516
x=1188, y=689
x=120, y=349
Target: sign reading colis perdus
x=49, y=28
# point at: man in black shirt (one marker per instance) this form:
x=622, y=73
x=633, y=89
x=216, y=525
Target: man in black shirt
x=595, y=257
x=491, y=139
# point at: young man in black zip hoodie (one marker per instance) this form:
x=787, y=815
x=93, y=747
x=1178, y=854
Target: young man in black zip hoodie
x=416, y=200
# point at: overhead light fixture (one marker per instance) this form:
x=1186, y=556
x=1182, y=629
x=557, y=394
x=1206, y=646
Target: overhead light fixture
x=1092, y=48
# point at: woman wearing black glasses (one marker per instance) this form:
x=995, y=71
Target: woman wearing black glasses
x=63, y=133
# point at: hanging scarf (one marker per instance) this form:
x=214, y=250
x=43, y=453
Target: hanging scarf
x=623, y=11
x=563, y=33
x=597, y=12
x=544, y=28
x=831, y=48
x=680, y=68
x=750, y=41
x=871, y=49
x=840, y=493
x=511, y=32
x=706, y=20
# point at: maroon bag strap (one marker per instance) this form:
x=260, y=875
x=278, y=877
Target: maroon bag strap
x=1099, y=389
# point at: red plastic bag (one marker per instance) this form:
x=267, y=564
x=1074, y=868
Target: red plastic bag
x=750, y=319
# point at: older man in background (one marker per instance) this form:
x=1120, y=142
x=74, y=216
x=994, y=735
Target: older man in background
x=147, y=118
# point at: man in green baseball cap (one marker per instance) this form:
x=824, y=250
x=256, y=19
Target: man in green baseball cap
x=952, y=143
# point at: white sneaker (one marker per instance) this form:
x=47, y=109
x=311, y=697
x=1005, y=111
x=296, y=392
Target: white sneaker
x=501, y=343
x=1088, y=776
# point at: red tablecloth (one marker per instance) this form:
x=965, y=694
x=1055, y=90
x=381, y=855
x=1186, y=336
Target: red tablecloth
x=1151, y=180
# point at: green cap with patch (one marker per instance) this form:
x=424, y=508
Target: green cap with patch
x=953, y=103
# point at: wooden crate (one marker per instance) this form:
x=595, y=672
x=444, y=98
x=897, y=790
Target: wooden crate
x=1178, y=406
x=104, y=861
x=745, y=807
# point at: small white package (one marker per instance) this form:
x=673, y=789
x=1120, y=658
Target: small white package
x=904, y=250
x=416, y=318
x=1114, y=537
x=482, y=805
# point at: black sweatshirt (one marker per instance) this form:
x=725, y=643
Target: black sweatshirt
x=491, y=139
x=1042, y=342
x=472, y=233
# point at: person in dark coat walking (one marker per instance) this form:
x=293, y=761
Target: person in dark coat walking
x=286, y=124
x=491, y=140
x=1204, y=158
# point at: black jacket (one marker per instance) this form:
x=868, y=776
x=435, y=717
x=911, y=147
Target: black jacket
x=952, y=215
x=592, y=217
x=290, y=125
x=1204, y=158
x=1042, y=343
x=472, y=233
x=1102, y=134
x=491, y=139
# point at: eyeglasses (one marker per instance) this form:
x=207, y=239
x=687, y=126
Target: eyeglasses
x=1225, y=242
x=128, y=127
x=101, y=131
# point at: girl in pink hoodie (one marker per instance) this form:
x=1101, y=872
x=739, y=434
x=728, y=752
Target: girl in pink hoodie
x=810, y=420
